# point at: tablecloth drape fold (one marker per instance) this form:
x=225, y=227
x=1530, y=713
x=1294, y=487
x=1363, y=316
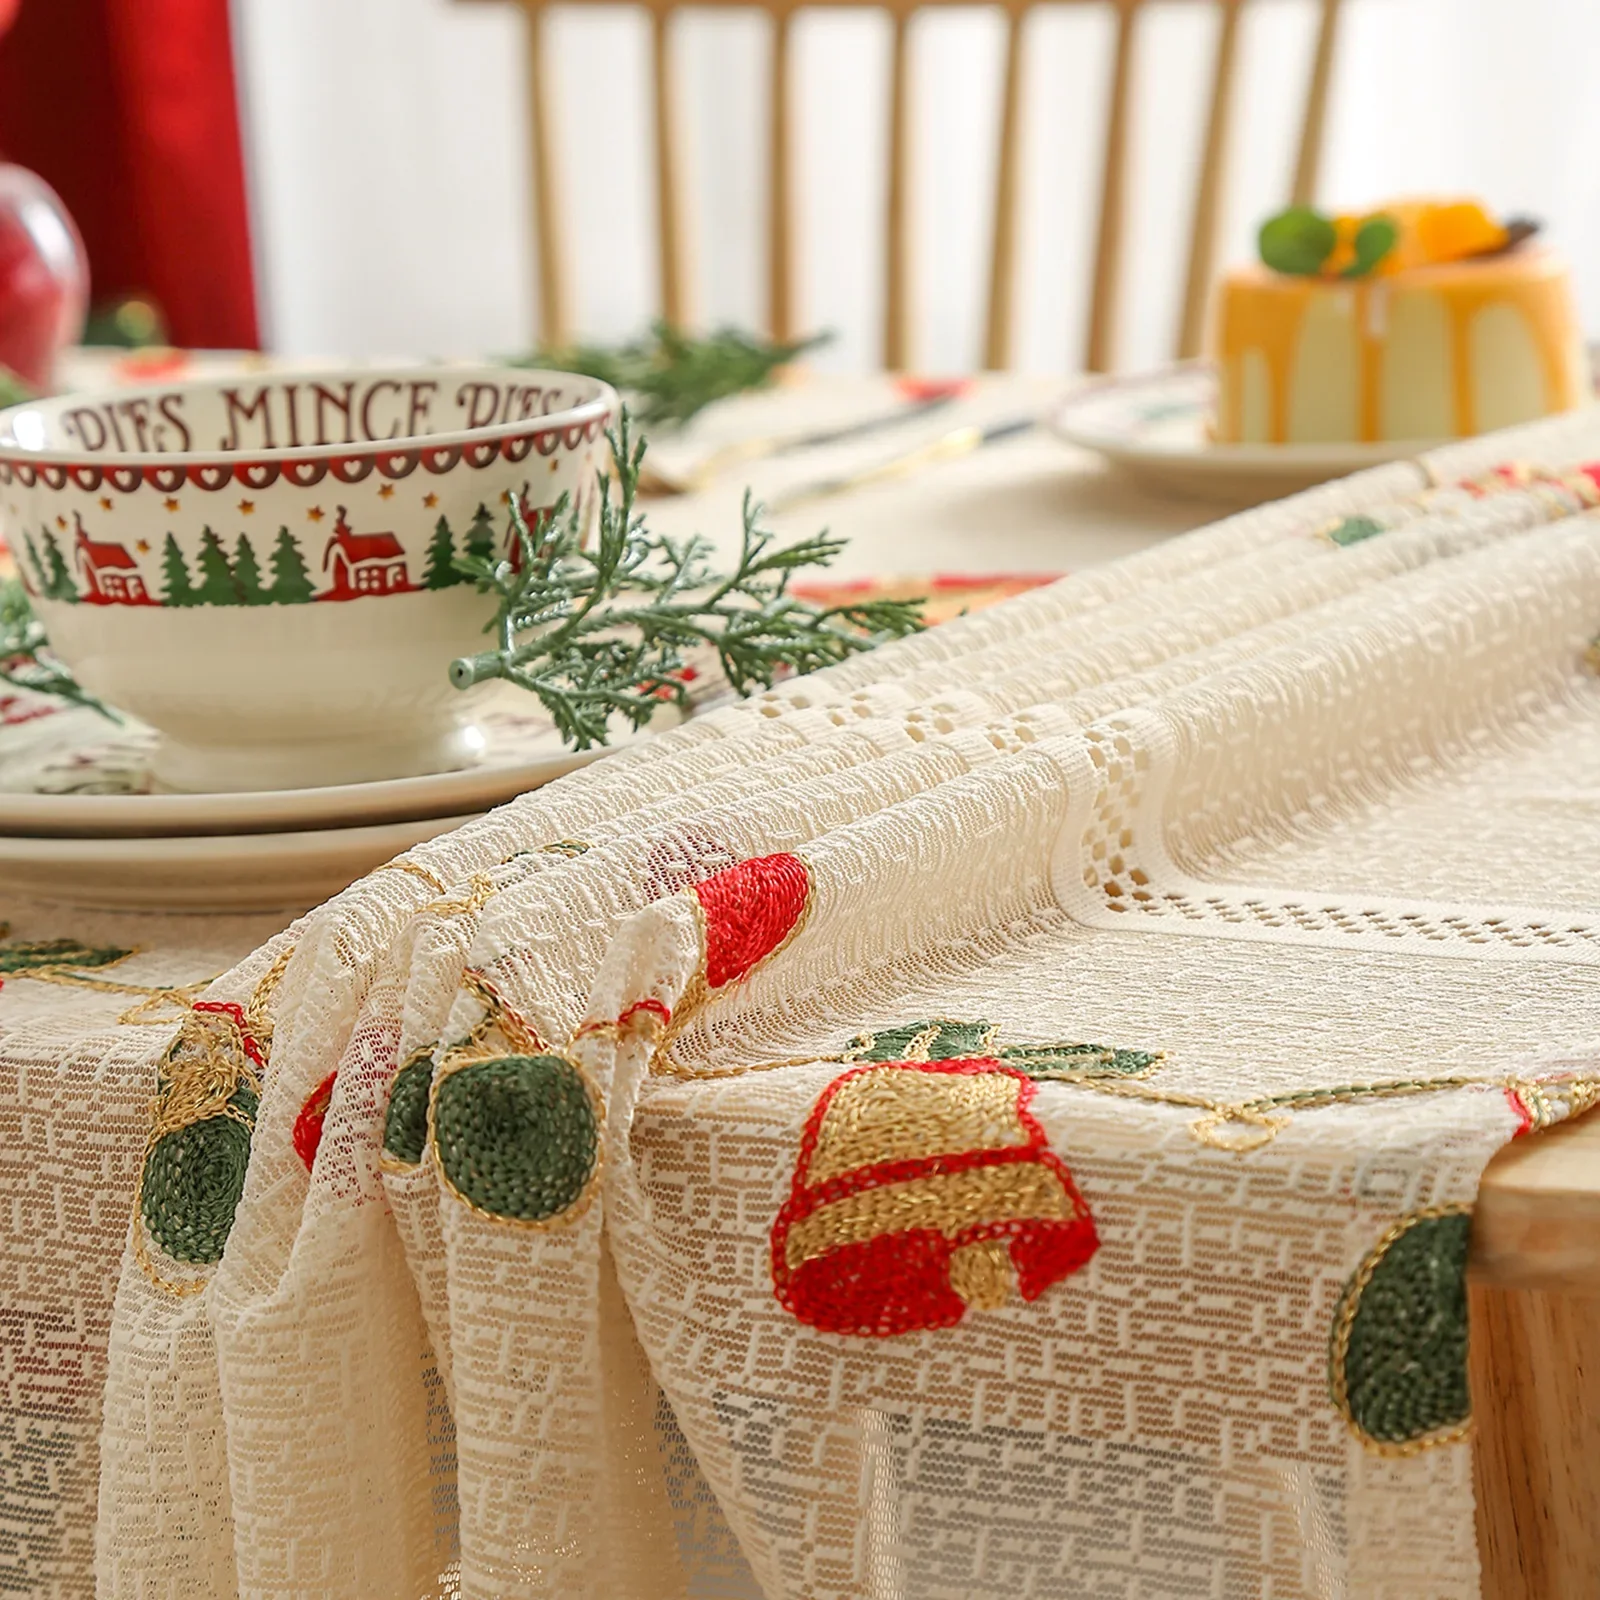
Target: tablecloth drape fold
x=995, y=1117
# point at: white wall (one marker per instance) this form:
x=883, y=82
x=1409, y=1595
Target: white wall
x=389, y=162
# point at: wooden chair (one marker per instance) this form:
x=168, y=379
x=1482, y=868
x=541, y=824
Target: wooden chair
x=1100, y=354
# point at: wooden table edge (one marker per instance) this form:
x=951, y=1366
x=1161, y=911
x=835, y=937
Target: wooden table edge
x=1537, y=1222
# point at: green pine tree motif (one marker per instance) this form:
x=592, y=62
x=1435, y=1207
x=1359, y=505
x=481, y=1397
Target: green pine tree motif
x=247, y=574
x=40, y=583
x=217, y=586
x=177, y=586
x=480, y=536
x=58, y=583
x=441, y=571
x=291, y=583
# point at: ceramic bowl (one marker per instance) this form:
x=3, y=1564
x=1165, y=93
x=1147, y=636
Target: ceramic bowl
x=261, y=568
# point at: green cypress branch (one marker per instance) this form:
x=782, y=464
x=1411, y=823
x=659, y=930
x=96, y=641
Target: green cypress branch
x=23, y=663
x=608, y=629
x=670, y=375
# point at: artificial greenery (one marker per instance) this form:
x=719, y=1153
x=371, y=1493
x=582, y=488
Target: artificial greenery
x=670, y=375
x=23, y=663
x=594, y=631
x=608, y=629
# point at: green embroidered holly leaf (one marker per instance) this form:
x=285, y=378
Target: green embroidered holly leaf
x=1078, y=1060
x=1352, y=530
x=936, y=1039
x=939, y=1039
x=23, y=955
x=1375, y=238
x=1297, y=241
x=1399, y=1354
x=405, y=1124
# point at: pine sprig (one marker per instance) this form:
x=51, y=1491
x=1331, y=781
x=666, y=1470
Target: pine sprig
x=23, y=662
x=609, y=629
x=670, y=375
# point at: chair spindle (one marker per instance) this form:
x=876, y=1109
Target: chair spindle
x=1212, y=182
x=897, y=251
x=1105, y=293
x=1003, y=244
x=669, y=214
x=780, y=194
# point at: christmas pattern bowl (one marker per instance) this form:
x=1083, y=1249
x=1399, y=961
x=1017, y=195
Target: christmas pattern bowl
x=263, y=569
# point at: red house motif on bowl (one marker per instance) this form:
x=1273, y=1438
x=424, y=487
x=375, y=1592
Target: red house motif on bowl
x=363, y=563
x=110, y=574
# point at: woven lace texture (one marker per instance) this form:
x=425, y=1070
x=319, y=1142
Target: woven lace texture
x=1225, y=801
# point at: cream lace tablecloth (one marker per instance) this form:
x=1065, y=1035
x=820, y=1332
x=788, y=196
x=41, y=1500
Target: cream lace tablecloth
x=995, y=1119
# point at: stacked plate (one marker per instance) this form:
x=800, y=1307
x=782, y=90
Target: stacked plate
x=79, y=823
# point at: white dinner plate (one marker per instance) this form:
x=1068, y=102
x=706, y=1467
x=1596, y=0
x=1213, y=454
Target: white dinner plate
x=212, y=872
x=68, y=773
x=1156, y=427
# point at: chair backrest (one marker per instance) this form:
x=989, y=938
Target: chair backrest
x=1100, y=353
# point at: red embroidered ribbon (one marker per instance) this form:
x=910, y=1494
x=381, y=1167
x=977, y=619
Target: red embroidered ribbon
x=750, y=910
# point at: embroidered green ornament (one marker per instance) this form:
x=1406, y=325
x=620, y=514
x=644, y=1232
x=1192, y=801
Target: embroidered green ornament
x=23, y=955
x=517, y=1137
x=194, y=1179
x=940, y=1039
x=1398, y=1360
x=405, y=1125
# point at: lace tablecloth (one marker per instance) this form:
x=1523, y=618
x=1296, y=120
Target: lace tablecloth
x=1001, y=1117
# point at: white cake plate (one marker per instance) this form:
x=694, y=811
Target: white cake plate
x=1155, y=426
x=245, y=872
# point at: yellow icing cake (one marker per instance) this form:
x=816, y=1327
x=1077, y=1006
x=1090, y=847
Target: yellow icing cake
x=1423, y=352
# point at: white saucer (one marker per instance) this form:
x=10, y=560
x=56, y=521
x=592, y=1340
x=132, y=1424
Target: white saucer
x=1154, y=425
x=66, y=772
x=249, y=872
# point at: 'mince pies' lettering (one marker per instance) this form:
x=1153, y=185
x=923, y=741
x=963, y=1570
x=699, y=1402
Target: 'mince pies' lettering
x=368, y=427
x=237, y=411
x=327, y=400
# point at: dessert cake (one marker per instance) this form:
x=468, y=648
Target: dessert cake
x=1420, y=321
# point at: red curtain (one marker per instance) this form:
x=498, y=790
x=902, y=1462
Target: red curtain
x=128, y=109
